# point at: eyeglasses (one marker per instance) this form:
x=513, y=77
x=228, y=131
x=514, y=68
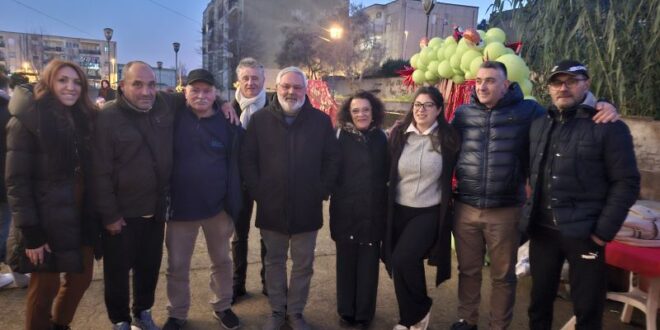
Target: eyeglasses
x=286, y=87
x=426, y=106
x=570, y=83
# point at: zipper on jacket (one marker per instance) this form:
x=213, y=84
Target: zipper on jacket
x=484, y=168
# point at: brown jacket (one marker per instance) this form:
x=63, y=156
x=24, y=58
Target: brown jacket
x=128, y=181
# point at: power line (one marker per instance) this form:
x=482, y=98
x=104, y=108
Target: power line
x=53, y=18
x=175, y=12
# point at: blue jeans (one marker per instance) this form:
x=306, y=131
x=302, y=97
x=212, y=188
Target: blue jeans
x=5, y=222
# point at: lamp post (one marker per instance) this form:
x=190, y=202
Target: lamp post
x=405, y=43
x=176, y=46
x=108, y=36
x=159, y=64
x=428, y=6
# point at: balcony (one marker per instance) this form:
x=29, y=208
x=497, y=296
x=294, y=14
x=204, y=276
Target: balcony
x=52, y=49
x=90, y=51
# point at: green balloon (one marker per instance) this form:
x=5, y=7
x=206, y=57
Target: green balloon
x=515, y=66
x=496, y=34
x=419, y=76
x=455, y=61
x=482, y=34
x=450, y=41
x=440, y=54
x=463, y=46
x=458, y=79
x=467, y=58
x=444, y=69
x=432, y=67
x=450, y=50
x=494, y=50
x=475, y=64
x=413, y=60
x=458, y=72
x=431, y=76
x=428, y=54
x=435, y=42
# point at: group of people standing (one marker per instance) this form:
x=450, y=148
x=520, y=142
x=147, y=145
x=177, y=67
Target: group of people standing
x=154, y=167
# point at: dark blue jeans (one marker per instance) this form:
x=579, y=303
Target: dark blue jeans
x=5, y=223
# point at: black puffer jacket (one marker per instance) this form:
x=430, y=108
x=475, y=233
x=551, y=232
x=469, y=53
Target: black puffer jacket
x=492, y=164
x=48, y=163
x=594, y=173
x=4, y=118
x=289, y=169
x=359, y=201
x=128, y=181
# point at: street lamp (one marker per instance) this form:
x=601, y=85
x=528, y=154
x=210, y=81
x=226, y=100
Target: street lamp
x=335, y=32
x=428, y=6
x=176, y=46
x=159, y=64
x=405, y=43
x=108, y=36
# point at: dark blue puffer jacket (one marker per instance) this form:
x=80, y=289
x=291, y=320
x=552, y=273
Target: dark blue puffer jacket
x=493, y=162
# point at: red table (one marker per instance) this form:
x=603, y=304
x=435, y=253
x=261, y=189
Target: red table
x=638, y=260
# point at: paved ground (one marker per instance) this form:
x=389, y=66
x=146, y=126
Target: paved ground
x=321, y=308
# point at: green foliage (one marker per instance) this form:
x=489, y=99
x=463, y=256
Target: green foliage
x=619, y=41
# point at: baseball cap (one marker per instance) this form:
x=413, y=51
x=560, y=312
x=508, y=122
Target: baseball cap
x=200, y=75
x=569, y=67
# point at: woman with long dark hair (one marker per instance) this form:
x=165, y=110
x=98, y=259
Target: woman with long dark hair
x=357, y=207
x=423, y=150
x=47, y=172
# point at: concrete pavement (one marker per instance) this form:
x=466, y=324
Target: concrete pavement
x=321, y=307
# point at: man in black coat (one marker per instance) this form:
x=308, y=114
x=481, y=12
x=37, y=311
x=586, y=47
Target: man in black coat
x=250, y=97
x=491, y=172
x=290, y=160
x=584, y=179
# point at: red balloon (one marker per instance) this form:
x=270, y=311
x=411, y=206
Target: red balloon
x=472, y=35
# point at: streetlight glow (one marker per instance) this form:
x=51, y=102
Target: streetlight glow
x=335, y=32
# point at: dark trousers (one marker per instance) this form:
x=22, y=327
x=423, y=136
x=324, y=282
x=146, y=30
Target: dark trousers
x=239, y=245
x=415, y=230
x=587, y=276
x=139, y=247
x=357, y=280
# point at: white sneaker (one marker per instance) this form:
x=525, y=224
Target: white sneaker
x=21, y=280
x=423, y=324
x=6, y=279
x=399, y=327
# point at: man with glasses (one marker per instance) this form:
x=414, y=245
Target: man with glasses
x=491, y=171
x=584, y=178
x=290, y=159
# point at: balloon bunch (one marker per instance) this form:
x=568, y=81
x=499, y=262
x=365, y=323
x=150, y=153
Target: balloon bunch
x=459, y=60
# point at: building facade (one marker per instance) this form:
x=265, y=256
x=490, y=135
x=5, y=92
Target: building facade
x=233, y=29
x=29, y=53
x=165, y=77
x=401, y=24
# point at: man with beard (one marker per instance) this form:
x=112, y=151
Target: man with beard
x=290, y=159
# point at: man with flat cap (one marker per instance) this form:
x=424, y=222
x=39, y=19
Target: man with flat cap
x=206, y=194
x=584, y=178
